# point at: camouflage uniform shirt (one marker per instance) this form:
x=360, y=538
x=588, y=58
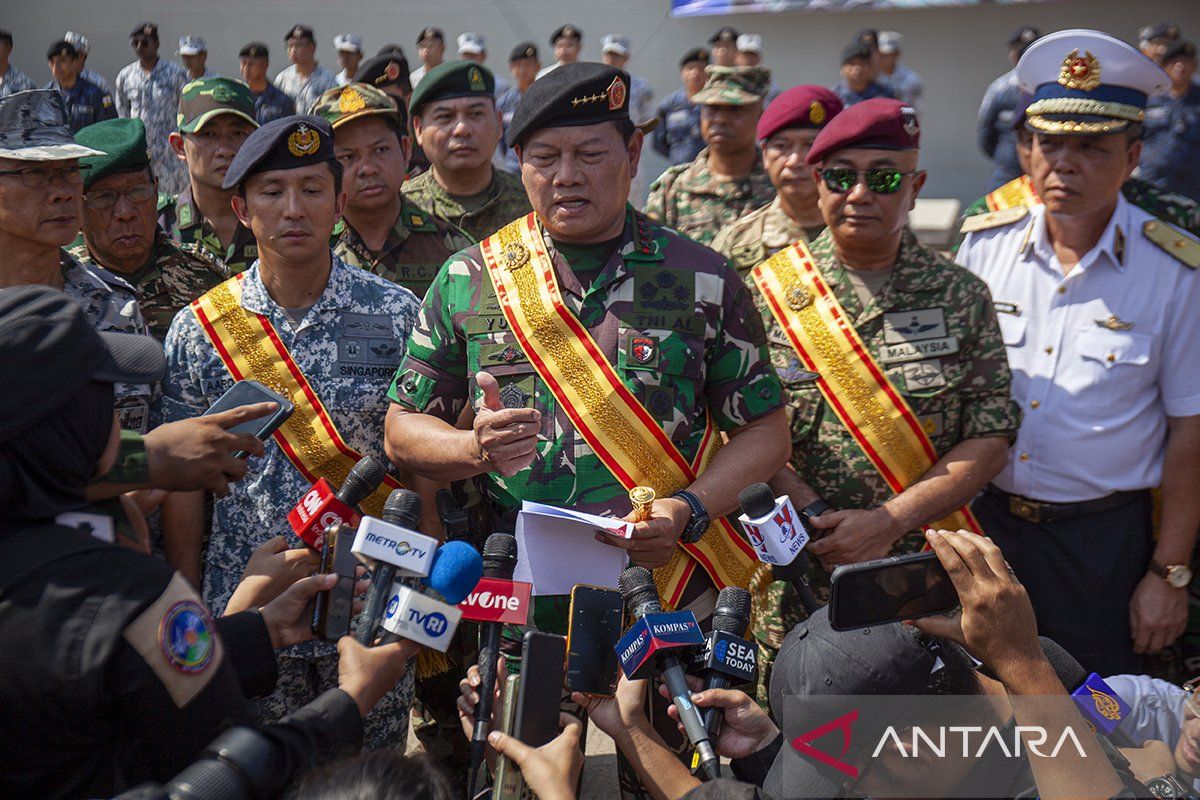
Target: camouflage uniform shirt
x=153, y=97
x=759, y=235
x=111, y=304
x=503, y=201
x=305, y=91
x=414, y=251
x=172, y=278
x=183, y=221
x=687, y=198
x=15, y=80
x=347, y=346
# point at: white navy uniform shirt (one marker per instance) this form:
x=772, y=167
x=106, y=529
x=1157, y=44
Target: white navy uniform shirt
x=1100, y=356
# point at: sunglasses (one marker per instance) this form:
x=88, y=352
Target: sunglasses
x=880, y=180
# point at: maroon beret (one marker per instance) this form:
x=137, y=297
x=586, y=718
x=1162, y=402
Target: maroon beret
x=803, y=106
x=880, y=123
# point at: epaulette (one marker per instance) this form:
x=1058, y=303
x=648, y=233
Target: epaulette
x=993, y=219
x=1183, y=247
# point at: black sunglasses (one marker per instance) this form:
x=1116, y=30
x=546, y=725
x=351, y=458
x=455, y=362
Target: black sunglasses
x=880, y=180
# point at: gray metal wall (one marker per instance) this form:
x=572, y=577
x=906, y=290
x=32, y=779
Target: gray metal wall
x=957, y=50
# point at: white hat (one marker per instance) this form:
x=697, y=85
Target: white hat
x=192, y=45
x=889, y=41
x=471, y=43
x=615, y=43
x=348, y=43
x=78, y=41
x=1086, y=82
x=749, y=43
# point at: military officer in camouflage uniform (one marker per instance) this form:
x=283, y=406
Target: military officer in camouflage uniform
x=381, y=231
x=344, y=328
x=727, y=179
x=458, y=126
x=929, y=325
x=786, y=131
x=674, y=321
x=216, y=115
x=121, y=234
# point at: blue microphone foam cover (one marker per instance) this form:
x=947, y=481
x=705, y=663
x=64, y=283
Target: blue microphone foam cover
x=456, y=568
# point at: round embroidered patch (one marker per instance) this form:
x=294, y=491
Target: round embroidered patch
x=186, y=637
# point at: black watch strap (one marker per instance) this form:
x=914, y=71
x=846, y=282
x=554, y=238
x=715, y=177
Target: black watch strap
x=699, y=521
x=814, y=509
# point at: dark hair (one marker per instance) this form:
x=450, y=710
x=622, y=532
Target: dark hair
x=380, y=775
x=957, y=675
x=625, y=127
x=1133, y=133
x=335, y=169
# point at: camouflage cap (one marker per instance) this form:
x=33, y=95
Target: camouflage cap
x=205, y=98
x=733, y=86
x=123, y=142
x=33, y=127
x=342, y=104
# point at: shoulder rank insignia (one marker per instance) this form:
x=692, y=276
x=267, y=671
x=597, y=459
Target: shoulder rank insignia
x=993, y=219
x=1183, y=247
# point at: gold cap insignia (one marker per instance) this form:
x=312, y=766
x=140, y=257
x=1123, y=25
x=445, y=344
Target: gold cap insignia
x=475, y=79
x=616, y=94
x=304, y=141
x=351, y=100
x=1080, y=72
x=816, y=113
x=798, y=298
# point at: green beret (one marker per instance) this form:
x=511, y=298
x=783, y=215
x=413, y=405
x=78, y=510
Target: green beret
x=123, y=142
x=453, y=79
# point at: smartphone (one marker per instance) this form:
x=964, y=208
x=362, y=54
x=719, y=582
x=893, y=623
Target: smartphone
x=334, y=607
x=592, y=634
x=889, y=590
x=246, y=393
x=543, y=660
x=508, y=783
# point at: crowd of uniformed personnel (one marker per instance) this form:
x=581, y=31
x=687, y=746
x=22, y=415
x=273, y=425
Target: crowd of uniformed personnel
x=452, y=275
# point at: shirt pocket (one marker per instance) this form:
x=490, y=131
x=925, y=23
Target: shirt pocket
x=1012, y=329
x=1115, y=368
x=500, y=355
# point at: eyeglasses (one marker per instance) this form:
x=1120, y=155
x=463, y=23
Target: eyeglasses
x=37, y=177
x=1189, y=697
x=108, y=198
x=880, y=180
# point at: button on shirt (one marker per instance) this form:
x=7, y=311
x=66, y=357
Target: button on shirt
x=1100, y=357
x=153, y=97
x=305, y=91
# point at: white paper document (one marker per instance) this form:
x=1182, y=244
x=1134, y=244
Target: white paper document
x=556, y=549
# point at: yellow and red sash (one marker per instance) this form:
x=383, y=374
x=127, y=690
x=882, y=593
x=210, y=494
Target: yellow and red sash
x=615, y=425
x=875, y=414
x=249, y=347
x=1017, y=192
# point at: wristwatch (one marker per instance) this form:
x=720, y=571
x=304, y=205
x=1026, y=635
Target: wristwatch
x=1177, y=576
x=699, y=521
x=814, y=509
x=1167, y=787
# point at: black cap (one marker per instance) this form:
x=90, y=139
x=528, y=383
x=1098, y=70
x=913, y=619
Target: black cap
x=1179, y=49
x=286, y=143
x=6, y=36
x=47, y=342
x=725, y=34
x=582, y=93
x=430, y=33
x=523, y=50
x=1161, y=30
x=254, y=50
x=145, y=29
x=385, y=69
x=868, y=36
x=1024, y=36
x=695, y=54
x=390, y=48
x=856, y=49
x=299, y=32
x=63, y=48
x=569, y=31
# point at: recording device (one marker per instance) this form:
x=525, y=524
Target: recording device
x=509, y=782
x=592, y=635
x=430, y=618
x=247, y=393
x=456, y=525
x=240, y=763
x=543, y=659
x=655, y=638
x=763, y=518
x=499, y=560
x=334, y=607
x=727, y=659
x=889, y=590
x=321, y=507
x=389, y=546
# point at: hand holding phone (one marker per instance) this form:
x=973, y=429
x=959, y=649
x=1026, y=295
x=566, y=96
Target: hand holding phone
x=334, y=607
x=889, y=590
x=594, y=629
x=245, y=393
x=543, y=657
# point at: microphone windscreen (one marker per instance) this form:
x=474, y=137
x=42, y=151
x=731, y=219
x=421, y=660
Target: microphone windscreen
x=640, y=593
x=732, y=613
x=403, y=508
x=500, y=555
x=1068, y=669
x=364, y=478
x=756, y=500
x=456, y=569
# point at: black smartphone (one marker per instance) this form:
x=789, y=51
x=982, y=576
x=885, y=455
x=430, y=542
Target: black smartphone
x=592, y=634
x=246, y=393
x=543, y=657
x=334, y=607
x=889, y=590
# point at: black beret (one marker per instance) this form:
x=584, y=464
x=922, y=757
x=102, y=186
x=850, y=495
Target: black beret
x=390, y=48
x=385, y=69
x=695, y=54
x=299, y=32
x=255, y=50
x=1179, y=49
x=869, y=36
x=453, y=79
x=523, y=50
x=145, y=29
x=1024, y=36
x=582, y=93
x=725, y=34
x=569, y=31
x=286, y=143
x=856, y=49
x=6, y=36
x=63, y=48
x=430, y=33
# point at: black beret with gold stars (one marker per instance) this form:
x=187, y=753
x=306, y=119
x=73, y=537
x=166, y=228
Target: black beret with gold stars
x=581, y=93
x=285, y=143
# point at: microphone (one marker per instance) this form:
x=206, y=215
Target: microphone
x=499, y=560
x=1099, y=703
x=455, y=523
x=321, y=507
x=650, y=641
x=777, y=536
x=728, y=659
x=430, y=618
x=388, y=546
